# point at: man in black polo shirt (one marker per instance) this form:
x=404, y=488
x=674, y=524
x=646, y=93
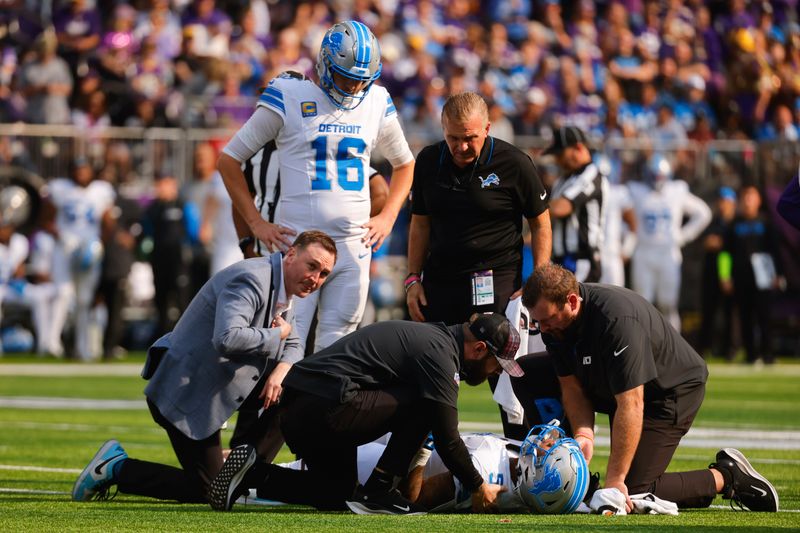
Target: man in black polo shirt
x=576, y=205
x=615, y=353
x=470, y=195
x=394, y=376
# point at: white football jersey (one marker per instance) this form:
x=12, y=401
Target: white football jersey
x=660, y=214
x=80, y=209
x=324, y=156
x=12, y=255
x=616, y=202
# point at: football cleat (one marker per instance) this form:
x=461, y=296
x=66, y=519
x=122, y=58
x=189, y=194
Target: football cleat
x=227, y=486
x=747, y=488
x=391, y=502
x=98, y=476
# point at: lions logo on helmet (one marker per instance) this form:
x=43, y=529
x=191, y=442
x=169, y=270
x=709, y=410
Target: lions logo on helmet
x=352, y=51
x=552, y=474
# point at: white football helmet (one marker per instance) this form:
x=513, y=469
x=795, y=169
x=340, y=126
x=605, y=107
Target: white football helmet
x=552, y=474
x=351, y=50
x=659, y=170
x=15, y=206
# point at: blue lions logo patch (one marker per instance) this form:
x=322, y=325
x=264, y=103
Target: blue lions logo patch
x=334, y=43
x=549, y=482
x=489, y=180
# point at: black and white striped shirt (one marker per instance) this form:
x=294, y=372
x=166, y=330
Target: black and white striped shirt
x=580, y=235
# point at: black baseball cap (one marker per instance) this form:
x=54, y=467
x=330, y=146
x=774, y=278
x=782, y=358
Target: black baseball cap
x=565, y=137
x=502, y=339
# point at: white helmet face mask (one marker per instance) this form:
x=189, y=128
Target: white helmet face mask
x=351, y=50
x=552, y=476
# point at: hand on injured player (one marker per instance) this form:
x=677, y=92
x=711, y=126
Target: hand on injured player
x=484, y=499
x=273, y=388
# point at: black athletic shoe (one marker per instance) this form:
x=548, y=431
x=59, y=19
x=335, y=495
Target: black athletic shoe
x=594, y=485
x=748, y=488
x=391, y=502
x=226, y=487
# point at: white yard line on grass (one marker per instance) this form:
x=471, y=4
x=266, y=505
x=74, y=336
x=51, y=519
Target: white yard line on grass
x=30, y=468
x=32, y=491
x=40, y=402
x=70, y=369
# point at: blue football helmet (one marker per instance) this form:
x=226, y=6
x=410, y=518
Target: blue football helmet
x=552, y=474
x=351, y=50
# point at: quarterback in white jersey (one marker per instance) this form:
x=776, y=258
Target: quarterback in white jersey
x=81, y=204
x=661, y=205
x=441, y=492
x=324, y=134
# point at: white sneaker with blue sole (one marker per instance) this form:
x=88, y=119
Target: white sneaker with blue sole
x=98, y=476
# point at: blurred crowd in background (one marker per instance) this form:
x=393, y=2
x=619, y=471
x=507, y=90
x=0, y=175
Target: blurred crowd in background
x=685, y=76
x=668, y=69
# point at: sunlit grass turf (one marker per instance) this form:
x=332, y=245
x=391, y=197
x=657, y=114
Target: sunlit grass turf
x=737, y=396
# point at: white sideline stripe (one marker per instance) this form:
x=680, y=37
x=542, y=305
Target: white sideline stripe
x=28, y=468
x=70, y=369
x=31, y=491
x=38, y=402
x=695, y=438
x=65, y=426
x=728, y=507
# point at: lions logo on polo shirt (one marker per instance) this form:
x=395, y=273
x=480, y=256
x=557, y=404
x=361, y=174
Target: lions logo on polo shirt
x=489, y=180
x=457, y=379
x=308, y=109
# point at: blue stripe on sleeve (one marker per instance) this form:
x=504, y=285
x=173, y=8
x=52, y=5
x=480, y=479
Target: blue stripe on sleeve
x=273, y=102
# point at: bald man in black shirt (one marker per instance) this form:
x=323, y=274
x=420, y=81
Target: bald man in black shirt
x=394, y=376
x=615, y=353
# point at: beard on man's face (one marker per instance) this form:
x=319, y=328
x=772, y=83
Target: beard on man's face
x=472, y=372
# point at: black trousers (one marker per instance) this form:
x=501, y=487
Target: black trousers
x=201, y=460
x=326, y=435
x=665, y=423
x=754, y=319
x=450, y=301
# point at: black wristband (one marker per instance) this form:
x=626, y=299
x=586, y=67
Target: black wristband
x=245, y=242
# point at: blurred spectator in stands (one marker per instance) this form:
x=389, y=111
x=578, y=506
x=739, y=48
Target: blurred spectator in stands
x=14, y=154
x=708, y=48
x=12, y=105
x=554, y=20
x=162, y=25
x=147, y=114
x=501, y=125
x=119, y=240
x=46, y=83
x=167, y=228
x=230, y=108
x=629, y=67
x=575, y=108
x=78, y=27
x=289, y=54
x=513, y=15
x=751, y=271
x=732, y=125
x=151, y=75
x=534, y=119
x=194, y=194
x=668, y=130
x=188, y=64
x=780, y=128
x=211, y=28
x=715, y=303
x=736, y=17
x=688, y=65
x=247, y=41
x=92, y=120
x=694, y=105
x=119, y=45
x=702, y=132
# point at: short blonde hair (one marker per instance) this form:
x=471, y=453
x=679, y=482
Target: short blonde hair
x=463, y=106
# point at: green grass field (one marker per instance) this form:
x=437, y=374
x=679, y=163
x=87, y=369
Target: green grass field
x=42, y=450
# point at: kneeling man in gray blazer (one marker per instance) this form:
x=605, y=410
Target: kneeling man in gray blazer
x=233, y=345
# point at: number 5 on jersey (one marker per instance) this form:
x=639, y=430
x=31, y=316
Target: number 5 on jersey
x=346, y=158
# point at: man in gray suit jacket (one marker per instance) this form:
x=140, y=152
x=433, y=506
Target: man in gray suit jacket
x=233, y=346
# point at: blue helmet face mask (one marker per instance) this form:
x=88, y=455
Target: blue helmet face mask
x=552, y=475
x=351, y=50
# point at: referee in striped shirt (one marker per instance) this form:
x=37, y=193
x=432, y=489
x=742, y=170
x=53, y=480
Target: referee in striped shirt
x=576, y=205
